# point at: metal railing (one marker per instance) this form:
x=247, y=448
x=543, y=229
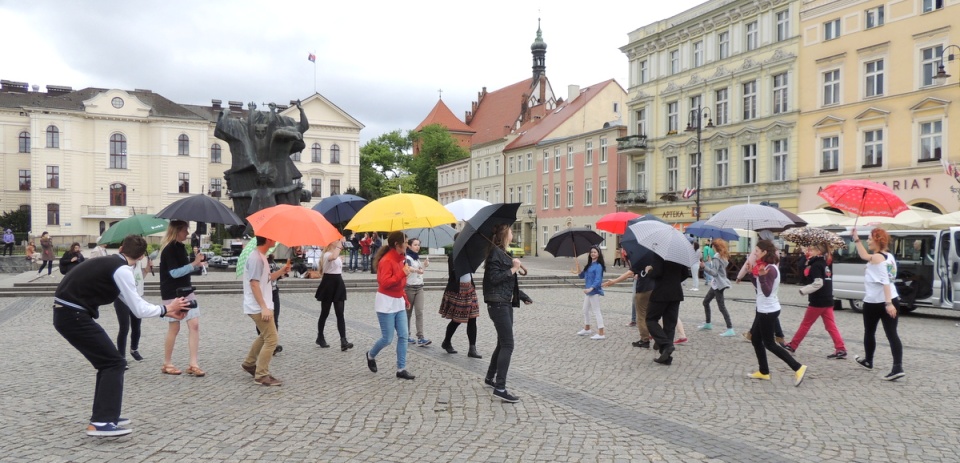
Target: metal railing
x=632, y=142
x=631, y=196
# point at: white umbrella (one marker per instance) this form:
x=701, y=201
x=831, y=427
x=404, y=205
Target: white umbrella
x=944, y=221
x=436, y=237
x=464, y=209
x=821, y=217
x=913, y=218
x=750, y=217
x=665, y=241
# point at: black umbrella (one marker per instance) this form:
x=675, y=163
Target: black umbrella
x=199, y=208
x=340, y=208
x=572, y=242
x=797, y=221
x=476, y=238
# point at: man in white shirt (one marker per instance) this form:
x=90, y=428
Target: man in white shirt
x=258, y=304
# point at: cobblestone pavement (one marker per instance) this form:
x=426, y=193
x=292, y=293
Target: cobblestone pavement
x=582, y=400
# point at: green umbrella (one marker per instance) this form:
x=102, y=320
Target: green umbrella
x=136, y=225
x=245, y=255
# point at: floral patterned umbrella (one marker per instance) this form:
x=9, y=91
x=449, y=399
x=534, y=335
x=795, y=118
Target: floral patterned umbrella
x=810, y=236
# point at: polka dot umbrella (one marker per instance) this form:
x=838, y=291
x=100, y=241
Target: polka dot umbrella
x=863, y=197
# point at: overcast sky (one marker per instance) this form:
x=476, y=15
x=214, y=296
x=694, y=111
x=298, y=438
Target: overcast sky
x=380, y=61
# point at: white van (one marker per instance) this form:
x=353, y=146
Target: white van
x=928, y=268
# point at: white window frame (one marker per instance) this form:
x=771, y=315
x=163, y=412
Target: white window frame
x=673, y=58
x=569, y=194
x=603, y=150
x=932, y=5
x=692, y=181
x=556, y=196
x=546, y=161
x=569, y=156
x=723, y=45
x=749, y=158
x=781, y=101
x=831, y=87
x=588, y=153
x=872, y=148
x=929, y=66
x=673, y=114
x=640, y=170
x=644, y=72
x=641, y=115
x=830, y=146
x=510, y=164
x=831, y=29
x=529, y=195
x=588, y=192
x=673, y=173
x=749, y=100
x=698, y=53
x=556, y=159
x=779, y=151
x=723, y=166
x=783, y=25
x=722, y=108
x=932, y=138
x=603, y=190
x=873, y=71
x=546, y=197
x=546, y=237
x=873, y=17
x=529, y=161
x=752, y=35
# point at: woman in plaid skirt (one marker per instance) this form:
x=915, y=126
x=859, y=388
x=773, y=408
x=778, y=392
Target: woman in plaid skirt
x=460, y=305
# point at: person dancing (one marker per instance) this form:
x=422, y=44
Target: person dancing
x=819, y=291
x=716, y=269
x=459, y=304
x=880, y=300
x=665, y=303
x=592, y=275
x=175, y=270
x=391, y=301
x=332, y=291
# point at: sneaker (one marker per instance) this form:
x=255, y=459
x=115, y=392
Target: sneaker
x=268, y=381
x=584, y=332
x=107, y=430
x=705, y=326
x=423, y=342
x=632, y=324
x=789, y=348
x=489, y=382
x=729, y=333
x=894, y=375
x=864, y=362
x=136, y=355
x=402, y=374
x=411, y=340
x=123, y=421
x=839, y=355
x=681, y=341
x=598, y=337
x=641, y=344
x=505, y=396
x=758, y=375
x=798, y=375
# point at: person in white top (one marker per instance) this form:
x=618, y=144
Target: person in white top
x=258, y=305
x=332, y=291
x=880, y=300
x=414, y=290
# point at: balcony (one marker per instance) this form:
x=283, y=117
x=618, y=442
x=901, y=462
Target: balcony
x=631, y=197
x=633, y=144
x=112, y=212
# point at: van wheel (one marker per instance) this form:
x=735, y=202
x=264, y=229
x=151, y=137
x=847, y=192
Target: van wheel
x=856, y=305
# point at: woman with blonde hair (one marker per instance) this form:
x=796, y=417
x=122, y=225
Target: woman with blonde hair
x=716, y=269
x=175, y=270
x=880, y=300
x=332, y=291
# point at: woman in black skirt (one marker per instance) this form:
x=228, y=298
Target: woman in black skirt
x=332, y=291
x=460, y=305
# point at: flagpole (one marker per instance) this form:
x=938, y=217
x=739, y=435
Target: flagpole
x=315, y=72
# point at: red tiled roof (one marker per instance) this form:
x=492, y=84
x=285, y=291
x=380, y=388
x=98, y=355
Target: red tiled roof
x=498, y=111
x=534, y=133
x=441, y=114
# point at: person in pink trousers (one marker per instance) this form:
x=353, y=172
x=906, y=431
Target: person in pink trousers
x=819, y=291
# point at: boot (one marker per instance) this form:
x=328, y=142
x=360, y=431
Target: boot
x=321, y=341
x=344, y=344
x=448, y=347
x=473, y=353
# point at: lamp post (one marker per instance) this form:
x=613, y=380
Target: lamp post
x=698, y=115
x=942, y=75
x=533, y=231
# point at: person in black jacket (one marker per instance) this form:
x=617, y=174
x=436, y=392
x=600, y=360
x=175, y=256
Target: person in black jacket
x=175, y=270
x=665, y=303
x=76, y=306
x=71, y=258
x=819, y=291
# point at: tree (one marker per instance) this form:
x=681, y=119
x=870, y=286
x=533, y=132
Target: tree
x=17, y=220
x=437, y=147
x=383, y=164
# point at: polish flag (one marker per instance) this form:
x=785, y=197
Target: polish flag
x=312, y=58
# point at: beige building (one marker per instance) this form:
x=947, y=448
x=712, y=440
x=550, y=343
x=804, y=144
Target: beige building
x=453, y=181
x=738, y=61
x=876, y=111
x=83, y=159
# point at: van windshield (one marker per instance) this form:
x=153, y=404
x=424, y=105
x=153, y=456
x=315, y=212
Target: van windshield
x=916, y=249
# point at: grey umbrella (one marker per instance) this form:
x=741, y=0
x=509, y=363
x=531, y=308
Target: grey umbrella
x=664, y=241
x=750, y=217
x=436, y=237
x=199, y=208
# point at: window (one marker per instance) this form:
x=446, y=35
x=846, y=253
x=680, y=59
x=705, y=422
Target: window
x=874, y=17
x=216, y=154
x=53, y=137
x=749, y=164
x=931, y=140
x=118, y=194
x=674, y=61
x=546, y=161
x=672, y=115
x=588, y=192
x=316, y=153
x=569, y=194
x=546, y=237
x=511, y=195
x=296, y=156
x=753, y=36
x=694, y=169
x=780, y=160
x=750, y=100
x=644, y=72
x=335, y=154
x=873, y=148
x=556, y=158
x=118, y=151
x=783, y=25
x=529, y=161
x=556, y=196
x=723, y=45
x=831, y=87
x=642, y=122
x=546, y=197
x=603, y=190
x=569, y=156
x=873, y=71
x=641, y=169
x=216, y=187
x=603, y=151
x=723, y=167
x=695, y=102
x=24, y=142
x=529, y=194
x=486, y=166
x=931, y=5
x=53, y=176
x=831, y=29
x=930, y=60
x=183, y=145
x=316, y=188
x=830, y=154
x=519, y=163
x=24, y=179
x=723, y=106
x=478, y=171
x=496, y=166
x=698, y=54
x=672, y=173
x=53, y=214
x=588, y=153
x=184, y=182
x=335, y=187
x=780, y=101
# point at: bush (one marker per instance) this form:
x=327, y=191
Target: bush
x=216, y=249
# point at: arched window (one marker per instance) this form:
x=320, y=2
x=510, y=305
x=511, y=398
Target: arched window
x=315, y=153
x=53, y=137
x=215, y=154
x=24, y=142
x=103, y=227
x=295, y=156
x=118, y=151
x=53, y=214
x=335, y=154
x=183, y=145
x=118, y=194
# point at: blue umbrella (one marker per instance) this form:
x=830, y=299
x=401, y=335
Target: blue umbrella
x=701, y=230
x=340, y=208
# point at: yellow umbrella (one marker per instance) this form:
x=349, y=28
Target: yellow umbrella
x=400, y=212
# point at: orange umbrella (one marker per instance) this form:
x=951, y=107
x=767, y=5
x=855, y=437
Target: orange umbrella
x=294, y=226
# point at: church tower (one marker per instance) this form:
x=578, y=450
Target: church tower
x=539, y=52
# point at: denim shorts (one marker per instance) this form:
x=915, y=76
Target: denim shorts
x=191, y=314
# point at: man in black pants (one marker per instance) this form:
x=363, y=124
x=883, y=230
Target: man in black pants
x=76, y=305
x=665, y=303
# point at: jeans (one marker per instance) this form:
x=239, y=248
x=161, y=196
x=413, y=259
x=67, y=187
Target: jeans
x=591, y=303
x=261, y=351
x=762, y=331
x=390, y=322
x=365, y=262
x=670, y=312
x=718, y=294
x=354, y=261
x=7, y=247
x=48, y=264
x=874, y=313
x=83, y=333
x=501, y=313
x=811, y=316
x=415, y=296
x=128, y=323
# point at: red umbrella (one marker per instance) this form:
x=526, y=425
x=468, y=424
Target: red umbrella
x=616, y=222
x=863, y=197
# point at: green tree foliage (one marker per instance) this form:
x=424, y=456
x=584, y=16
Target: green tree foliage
x=17, y=220
x=437, y=147
x=383, y=165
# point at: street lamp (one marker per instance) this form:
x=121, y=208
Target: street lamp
x=942, y=75
x=698, y=115
x=533, y=242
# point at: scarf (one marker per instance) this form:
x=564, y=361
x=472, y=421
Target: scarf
x=413, y=255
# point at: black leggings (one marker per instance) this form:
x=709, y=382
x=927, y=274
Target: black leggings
x=872, y=314
x=471, y=331
x=325, y=312
x=48, y=264
x=718, y=294
x=128, y=323
x=762, y=332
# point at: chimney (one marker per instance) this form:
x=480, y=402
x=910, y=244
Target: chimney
x=216, y=104
x=235, y=105
x=572, y=92
x=11, y=86
x=58, y=89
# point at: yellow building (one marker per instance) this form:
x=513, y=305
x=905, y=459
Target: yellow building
x=737, y=60
x=872, y=108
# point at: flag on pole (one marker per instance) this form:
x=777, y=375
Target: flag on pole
x=312, y=58
x=688, y=192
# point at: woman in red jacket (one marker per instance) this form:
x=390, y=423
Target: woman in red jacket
x=391, y=302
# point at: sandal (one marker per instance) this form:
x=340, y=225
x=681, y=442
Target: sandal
x=195, y=371
x=170, y=370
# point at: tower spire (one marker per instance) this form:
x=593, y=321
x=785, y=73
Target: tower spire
x=539, y=52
